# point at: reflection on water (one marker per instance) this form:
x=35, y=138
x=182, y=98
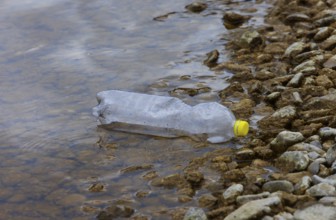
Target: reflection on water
x=55, y=56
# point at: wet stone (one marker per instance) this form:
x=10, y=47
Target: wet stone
x=250, y=40
x=278, y=185
x=307, y=68
x=321, y=189
x=306, y=147
x=234, y=19
x=196, y=7
x=97, y=187
x=116, y=211
x=194, y=177
x=293, y=161
x=264, y=75
x=245, y=154
x=195, y=214
x=285, y=139
x=212, y=58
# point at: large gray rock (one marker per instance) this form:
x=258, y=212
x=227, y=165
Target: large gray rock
x=314, y=167
x=306, y=147
x=331, y=180
x=278, y=185
x=253, y=209
x=321, y=189
x=285, y=139
x=316, y=211
x=293, y=161
x=195, y=214
x=327, y=132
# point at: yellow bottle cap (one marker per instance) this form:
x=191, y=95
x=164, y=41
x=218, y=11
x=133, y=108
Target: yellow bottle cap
x=240, y=128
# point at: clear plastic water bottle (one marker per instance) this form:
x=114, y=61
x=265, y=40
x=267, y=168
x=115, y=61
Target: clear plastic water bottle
x=167, y=116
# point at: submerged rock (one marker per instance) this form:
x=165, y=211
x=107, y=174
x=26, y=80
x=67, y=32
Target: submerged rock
x=232, y=19
x=195, y=214
x=196, y=7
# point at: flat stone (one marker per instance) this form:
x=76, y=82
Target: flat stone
x=196, y=7
x=296, y=17
x=248, y=198
x=250, y=40
x=316, y=211
x=321, y=189
x=285, y=139
x=293, y=161
x=304, y=184
x=278, y=185
x=195, y=214
x=323, y=102
x=254, y=209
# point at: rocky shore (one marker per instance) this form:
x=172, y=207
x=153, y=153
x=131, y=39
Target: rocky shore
x=283, y=73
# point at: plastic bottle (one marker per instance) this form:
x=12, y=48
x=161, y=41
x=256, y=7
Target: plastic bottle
x=167, y=116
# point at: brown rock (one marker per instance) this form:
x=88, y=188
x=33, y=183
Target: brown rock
x=324, y=81
x=207, y=201
x=243, y=109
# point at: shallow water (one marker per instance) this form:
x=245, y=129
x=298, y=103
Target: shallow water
x=55, y=56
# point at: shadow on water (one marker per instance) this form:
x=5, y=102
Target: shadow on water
x=55, y=56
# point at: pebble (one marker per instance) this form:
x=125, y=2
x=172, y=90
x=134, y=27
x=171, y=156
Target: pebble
x=330, y=63
x=306, y=147
x=233, y=191
x=314, y=167
x=316, y=211
x=207, y=201
x=234, y=18
x=278, y=185
x=301, y=187
x=294, y=49
x=285, y=139
x=296, y=80
x=329, y=180
x=329, y=43
x=307, y=68
x=321, y=189
x=293, y=161
x=331, y=155
x=253, y=209
x=323, y=33
x=250, y=40
x=195, y=214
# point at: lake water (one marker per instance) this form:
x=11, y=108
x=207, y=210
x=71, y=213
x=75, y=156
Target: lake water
x=55, y=55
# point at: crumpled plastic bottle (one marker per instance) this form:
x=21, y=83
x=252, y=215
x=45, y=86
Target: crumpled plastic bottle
x=167, y=116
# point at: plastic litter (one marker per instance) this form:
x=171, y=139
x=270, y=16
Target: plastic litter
x=167, y=117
